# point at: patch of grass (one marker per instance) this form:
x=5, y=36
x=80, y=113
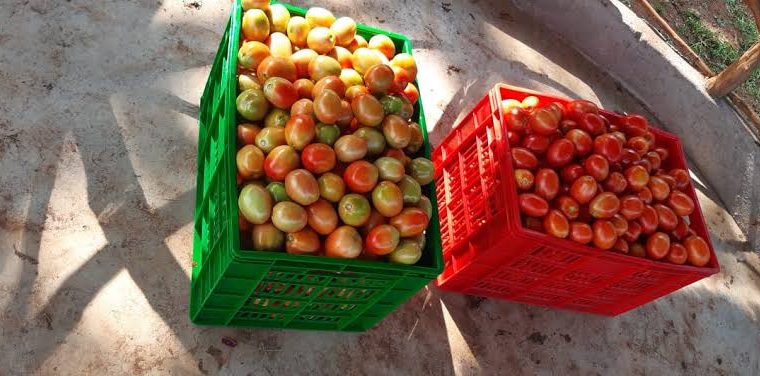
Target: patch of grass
x=743, y=22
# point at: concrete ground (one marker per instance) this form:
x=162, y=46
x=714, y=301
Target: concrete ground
x=98, y=137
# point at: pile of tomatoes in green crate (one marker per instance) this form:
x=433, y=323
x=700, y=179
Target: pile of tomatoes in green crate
x=584, y=177
x=328, y=160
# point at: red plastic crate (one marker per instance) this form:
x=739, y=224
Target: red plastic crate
x=487, y=251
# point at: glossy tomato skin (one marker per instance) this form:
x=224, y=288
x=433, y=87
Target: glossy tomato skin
x=555, y=224
x=581, y=232
x=543, y=122
x=592, y=123
x=609, y=146
x=637, y=178
x=523, y=158
x=681, y=231
x=681, y=204
x=547, y=184
x=584, y=189
x=302, y=187
x=581, y=141
x=654, y=159
x=322, y=217
x=299, y=131
x=246, y=133
x=682, y=178
x=667, y=219
x=633, y=232
x=577, y=108
x=350, y=148
x=660, y=189
x=361, y=176
x=536, y=143
x=513, y=138
x=354, y=209
x=516, y=119
x=267, y=237
x=571, y=172
x=388, y=199
x=628, y=157
x=382, y=239
x=631, y=207
x=524, y=179
x=638, y=144
x=658, y=245
x=533, y=205
x=318, y=158
x=560, y=152
x=604, y=205
x=677, y=254
x=280, y=161
x=620, y=223
x=280, y=92
x=615, y=183
x=568, y=206
x=648, y=220
x=331, y=187
x=698, y=251
x=250, y=162
x=344, y=242
x=410, y=222
x=289, y=217
x=645, y=195
x=597, y=166
x=635, y=125
x=303, y=242
x=604, y=234
x=621, y=246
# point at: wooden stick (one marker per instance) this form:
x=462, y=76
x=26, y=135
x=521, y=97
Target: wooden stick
x=754, y=7
x=680, y=44
x=735, y=74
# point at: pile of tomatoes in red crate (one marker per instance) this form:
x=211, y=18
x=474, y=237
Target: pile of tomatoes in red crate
x=593, y=180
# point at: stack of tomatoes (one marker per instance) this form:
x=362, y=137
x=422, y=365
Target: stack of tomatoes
x=595, y=181
x=328, y=160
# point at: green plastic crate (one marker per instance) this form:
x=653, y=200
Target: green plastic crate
x=235, y=287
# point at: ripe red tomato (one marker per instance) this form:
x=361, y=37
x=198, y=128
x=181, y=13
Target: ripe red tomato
x=583, y=189
x=628, y=157
x=620, y=136
x=246, y=133
x=604, y=234
x=280, y=161
x=631, y=207
x=542, y=121
x=621, y=246
x=581, y=232
x=698, y=251
x=533, y=205
x=633, y=232
x=581, y=140
x=637, y=250
x=536, y=143
x=318, y=158
x=609, y=147
x=644, y=163
x=557, y=109
x=513, y=138
x=637, y=178
x=660, y=189
x=604, y=205
x=280, y=92
x=638, y=144
x=569, y=207
x=592, y=123
x=648, y=220
x=667, y=220
x=615, y=183
x=571, y=172
x=560, y=152
x=524, y=179
x=300, y=131
x=681, y=231
x=682, y=178
x=668, y=179
x=523, y=158
x=516, y=119
x=677, y=254
x=620, y=223
x=547, y=184
x=635, y=125
x=597, y=166
x=654, y=159
x=663, y=153
x=566, y=125
x=411, y=222
x=555, y=224
x=361, y=176
x=658, y=245
x=382, y=240
x=575, y=109
x=681, y=204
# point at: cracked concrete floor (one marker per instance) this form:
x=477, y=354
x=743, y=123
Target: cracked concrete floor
x=97, y=157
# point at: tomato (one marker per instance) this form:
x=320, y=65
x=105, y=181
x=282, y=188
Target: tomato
x=267, y=237
x=524, y=179
x=416, y=140
x=571, y=172
x=408, y=252
x=547, y=184
x=252, y=104
x=635, y=125
x=621, y=246
x=321, y=217
x=401, y=81
x=280, y=92
x=390, y=169
x=660, y=189
x=406, y=62
x=555, y=224
x=276, y=118
x=681, y=231
x=303, y=107
x=682, y=178
x=327, y=133
x=357, y=43
x=533, y=205
x=279, y=45
x=397, y=154
x=628, y=157
x=633, y=231
x=302, y=242
x=668, y=179
x=344, y=30
x=407, y=109
x=368, y=110
x=411, y=189
x=276, y=66
x=321, y=40
x=592, y=123
x=410, y=222
x=375, y=219
x=581, y=140
x=344, y=242
x=575, y=109
x=516, y=119
x=620, y=223
x=302, y=187
x=346, y=115
x=649, y=220
x=248, y=82
x=301, y=60
x=681, y=204
x=255, y=26
x=426, y=206
x=604, y=205
x=388, y=199
x=363, y=58
x=318, y=158
x=331, y=187
x=535, y=143
x=277, y=191
x=677, y=254
x=350, y=148
x=375, y=140
x=609, y=147
x=620, y=136
x=255, y=4
x=384, y=44
x=560, y=152
x=667, y=219
x=658, y=245
x=645, y=195
x=250, y=162
x=396, y=131
x=530, y=102
x=299, y=131
x=615, y=183
x=422, y=170
x=354, y=209
x=508, y=104
x=698, y=251
x=566, y=125
x=382, y=239
x=638, y=144
x=255, y=204
x=379, y=79
x=351, y=78
x=298, y=30
x=543, y=122
x=637, y=178
x=251, y=54
x=637, y=250
x=523, y=158
x=243, y=223
x=327, y=106
x=568, y=206
x=631, y=207
x=604, y=234
x=330, y=82
x=654, y=159
x=269, y=138
x=581, y=232
x=583, y=189
x=280, y=161
x=319, y=17
x=361, y=176
x=322, y=66
x=597, y=166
